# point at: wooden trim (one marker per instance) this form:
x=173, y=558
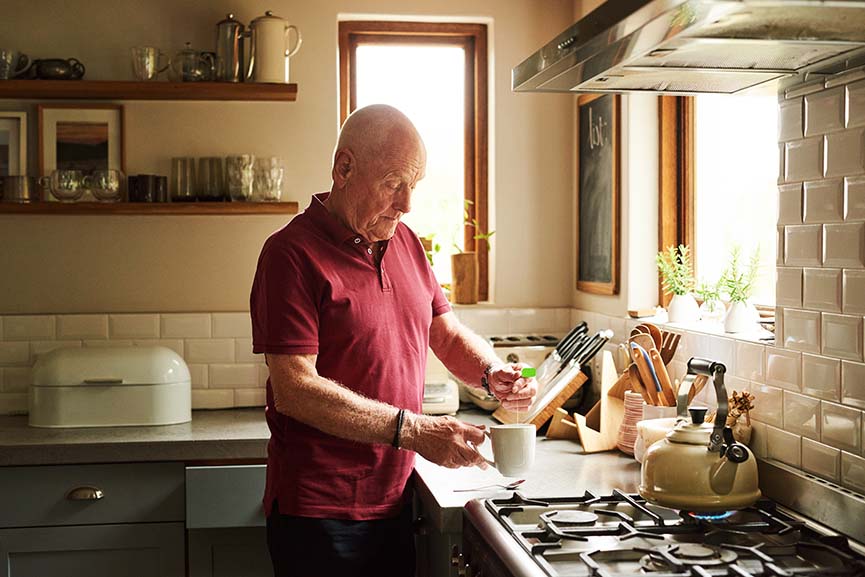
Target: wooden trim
x=147, y=208
x=676, y=176
x=473, y=39
x=152, y=90
x=612, y=287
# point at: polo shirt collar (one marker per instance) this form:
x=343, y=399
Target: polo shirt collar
x=328, y=223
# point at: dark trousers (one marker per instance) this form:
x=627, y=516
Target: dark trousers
x=307, y=547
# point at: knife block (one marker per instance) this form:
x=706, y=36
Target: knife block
x=599, y=428
x=539, y=418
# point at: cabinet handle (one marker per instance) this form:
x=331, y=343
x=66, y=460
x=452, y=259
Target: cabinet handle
x=85, y=493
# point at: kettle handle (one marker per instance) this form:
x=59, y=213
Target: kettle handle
x=288, y=29
x=715, y=371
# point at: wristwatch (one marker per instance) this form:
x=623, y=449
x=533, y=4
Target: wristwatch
x=485, y=379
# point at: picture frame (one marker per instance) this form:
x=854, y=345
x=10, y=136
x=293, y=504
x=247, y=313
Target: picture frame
x=598, y=149
x=81, y=136
x=13, y=143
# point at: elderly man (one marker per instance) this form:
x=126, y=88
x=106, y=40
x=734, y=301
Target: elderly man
x=344, y=306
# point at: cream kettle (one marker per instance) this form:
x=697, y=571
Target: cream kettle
x=270, y=53
x=699, y=467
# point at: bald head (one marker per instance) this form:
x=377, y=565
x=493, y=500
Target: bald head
x=378, y=160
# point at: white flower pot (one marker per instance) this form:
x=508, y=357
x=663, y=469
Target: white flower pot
x=683, y=309
x=712, y=311
x=739, y=318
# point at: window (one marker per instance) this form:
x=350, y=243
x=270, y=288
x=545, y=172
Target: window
x=719, y=171
x=436, y=74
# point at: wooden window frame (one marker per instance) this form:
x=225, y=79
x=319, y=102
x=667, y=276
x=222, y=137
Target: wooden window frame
x=676, y=185
x=473, y=39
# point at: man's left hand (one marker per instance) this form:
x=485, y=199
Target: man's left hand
x=516, y=393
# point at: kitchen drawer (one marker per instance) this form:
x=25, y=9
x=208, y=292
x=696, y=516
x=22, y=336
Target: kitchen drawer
x=224, y=496
x=131, y=493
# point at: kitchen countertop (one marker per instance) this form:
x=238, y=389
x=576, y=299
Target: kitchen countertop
x=232, y=434
x=560, y=469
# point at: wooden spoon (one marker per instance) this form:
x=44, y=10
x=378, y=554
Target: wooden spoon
x=656, y=334
x=637, y=384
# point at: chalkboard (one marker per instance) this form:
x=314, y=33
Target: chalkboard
x=598, y=194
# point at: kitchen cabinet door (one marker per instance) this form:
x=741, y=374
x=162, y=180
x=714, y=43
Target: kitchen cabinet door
x=229, y=553
x=130, y=550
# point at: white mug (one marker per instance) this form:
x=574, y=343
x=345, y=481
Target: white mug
x=513, y=448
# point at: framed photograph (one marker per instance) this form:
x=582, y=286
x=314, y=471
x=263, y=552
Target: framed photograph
x=597, y=156
x=80, y=137
x=13, y=143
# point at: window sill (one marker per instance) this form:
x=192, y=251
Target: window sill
x=759, y=335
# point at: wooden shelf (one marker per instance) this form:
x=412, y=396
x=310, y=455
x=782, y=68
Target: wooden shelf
x=153, y=90
x=145, y=208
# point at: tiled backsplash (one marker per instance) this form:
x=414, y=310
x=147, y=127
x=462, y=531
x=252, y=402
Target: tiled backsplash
x=217, y=347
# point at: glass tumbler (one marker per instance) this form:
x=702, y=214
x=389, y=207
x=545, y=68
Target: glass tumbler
x=211, y=179
x=106, y=185
x=66, y=185
x=183, y=179
x=269, y=174
x=239, y=172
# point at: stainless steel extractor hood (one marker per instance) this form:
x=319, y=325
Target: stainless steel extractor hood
x=692, y=46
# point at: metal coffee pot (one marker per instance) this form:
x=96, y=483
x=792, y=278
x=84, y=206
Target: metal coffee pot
x=269, y=37
x=229, y=50
x=699, y=467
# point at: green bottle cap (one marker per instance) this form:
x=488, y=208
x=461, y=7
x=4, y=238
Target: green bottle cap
x=529, y=372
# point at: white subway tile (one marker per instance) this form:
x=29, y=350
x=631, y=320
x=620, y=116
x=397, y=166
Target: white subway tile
x=29, y=328
x=788, y=287
x=41, y=347
x=845, y=153
x=783, y=368
x=821, y=460
x=853, y=299
x=209, y=351
x=232, y=325
x=853, y=472
x=824, y=201
x=14, y=353
x=249, y=397
x=783, y=446
x=175, y=345
x=803, y=245
x=13, y=403
x=198, y=375
x=804, y=159
x=133, y=326
x=780, y=251
x=854, y=191
x=108, y=344
x=847, y=77
x=844, y=245
x=768, y=404
x=185, y=325
x=233, y=376
x=805, y=88
x=802, y=330
x=485, y=321
x=529, y=320
x=263, y=375
x=82, y=327
x=779, y=326
x=243, y=352
x=853, y=384
x=563, y=320
x=790, y=120
x=841, y=426
x=842, y=336
x=856, y=104
x=749, y=361
x=212, y=399
x=758, y=439
x=790, y=203
x=824, y=111
x=801, y=415
x=822, y=289
x=722, y=350
x=821, y=377
x=16, y=379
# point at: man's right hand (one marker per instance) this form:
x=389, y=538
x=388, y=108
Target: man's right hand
x=444, y=440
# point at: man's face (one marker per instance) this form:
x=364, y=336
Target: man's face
x=380, y=189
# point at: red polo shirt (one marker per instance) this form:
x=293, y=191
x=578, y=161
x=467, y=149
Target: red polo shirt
x=317, y=290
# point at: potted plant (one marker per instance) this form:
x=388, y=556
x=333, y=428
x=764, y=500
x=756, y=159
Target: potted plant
x=464, y=264
x=737, y=282
x=430, y=247
x=675, y=268
x=712, y=309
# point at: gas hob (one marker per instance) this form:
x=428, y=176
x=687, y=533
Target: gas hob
x=620, y=535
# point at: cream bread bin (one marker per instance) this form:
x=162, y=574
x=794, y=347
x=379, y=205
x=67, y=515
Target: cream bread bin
x=108, y=387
